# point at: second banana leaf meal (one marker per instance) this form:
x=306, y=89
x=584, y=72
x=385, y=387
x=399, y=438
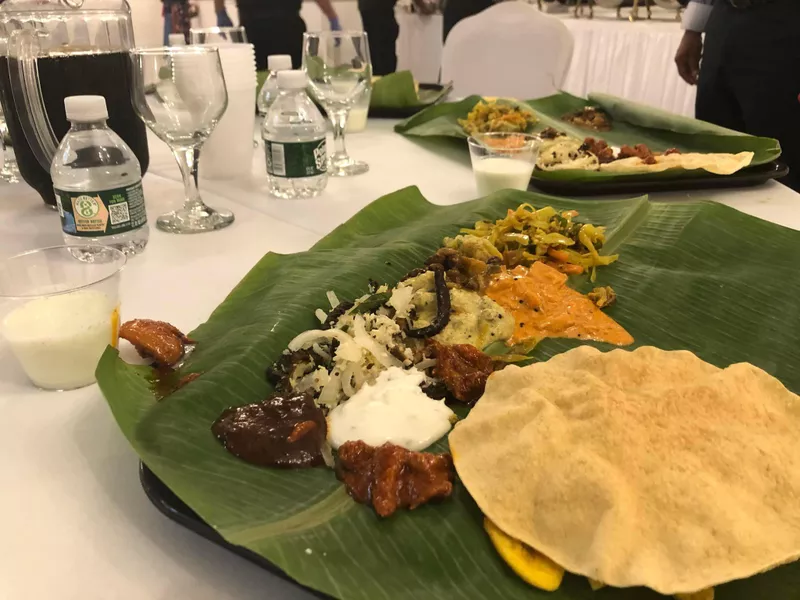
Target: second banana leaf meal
x=602, y=138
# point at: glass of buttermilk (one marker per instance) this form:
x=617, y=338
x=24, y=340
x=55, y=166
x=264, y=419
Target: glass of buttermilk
x=59, y=311
x=502, y=161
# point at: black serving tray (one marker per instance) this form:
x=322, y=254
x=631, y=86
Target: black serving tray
x=749, y=177
x=174, y=509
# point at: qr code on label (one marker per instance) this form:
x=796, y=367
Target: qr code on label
x=119, y=213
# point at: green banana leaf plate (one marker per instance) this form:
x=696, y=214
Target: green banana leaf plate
x=396, y=96
x=632, y=123
x=698, y=276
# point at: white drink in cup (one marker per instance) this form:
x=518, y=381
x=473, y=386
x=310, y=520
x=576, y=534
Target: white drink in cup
x=59, y=311
x=502, y=160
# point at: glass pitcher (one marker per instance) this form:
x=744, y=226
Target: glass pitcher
x=60, y=48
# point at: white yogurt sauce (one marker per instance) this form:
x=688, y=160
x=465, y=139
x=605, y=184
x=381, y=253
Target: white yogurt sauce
x=59, y=340
x=499, y=173
x=393, y=409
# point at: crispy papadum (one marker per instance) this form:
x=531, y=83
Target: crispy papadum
x=648, y=467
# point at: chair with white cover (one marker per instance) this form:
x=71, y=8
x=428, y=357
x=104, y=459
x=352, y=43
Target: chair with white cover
x=510, y=50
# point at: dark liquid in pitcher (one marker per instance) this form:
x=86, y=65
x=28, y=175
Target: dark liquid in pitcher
x=103, y=74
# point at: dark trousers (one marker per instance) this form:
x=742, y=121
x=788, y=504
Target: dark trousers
x=750, y=75
x=382, y=31
x=279, y=34
x=455, y=10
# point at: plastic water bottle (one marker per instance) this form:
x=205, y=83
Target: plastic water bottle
x=98, y=181
x=294, y=141
x=269, y=91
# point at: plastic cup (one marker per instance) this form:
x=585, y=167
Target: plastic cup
x=503, y=161
x=228, y=153
x=59, y=311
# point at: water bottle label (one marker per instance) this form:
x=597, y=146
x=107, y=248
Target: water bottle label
x=95, y=214
x=296, y=159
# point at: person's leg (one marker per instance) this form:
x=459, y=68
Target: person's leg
x=381, y=28
x=256, y=35
x=295, y=29
x=765, y=76
x=716, y=101
x=276, y=35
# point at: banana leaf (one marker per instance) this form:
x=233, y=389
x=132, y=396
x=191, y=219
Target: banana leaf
x=633, y=123
x=698, y=276
x=399, y=90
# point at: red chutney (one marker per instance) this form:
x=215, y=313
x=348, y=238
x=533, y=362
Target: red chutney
x=544, y=306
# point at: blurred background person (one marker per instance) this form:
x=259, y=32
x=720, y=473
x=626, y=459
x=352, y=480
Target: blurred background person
x=380, y=24
x=749, y=76
x=455, y=10
x=178, y=16
x=274, y=26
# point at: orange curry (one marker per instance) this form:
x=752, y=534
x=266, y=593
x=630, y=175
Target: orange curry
x=544, y=306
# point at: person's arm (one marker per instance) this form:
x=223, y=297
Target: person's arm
x=326, y=6
x=223, y=20
x=696, y=15
x=690, y=50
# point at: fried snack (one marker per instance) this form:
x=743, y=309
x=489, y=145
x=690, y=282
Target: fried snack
x=160, y=341
x=589, y=117
x=390, y=477
x=599, y=148
x=648, y=467
x=640, y=151
x=463, y=368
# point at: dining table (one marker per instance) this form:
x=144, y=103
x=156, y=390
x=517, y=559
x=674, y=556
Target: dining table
x=77, y=523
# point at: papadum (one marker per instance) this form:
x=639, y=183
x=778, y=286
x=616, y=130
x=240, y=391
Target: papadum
x=649, y=467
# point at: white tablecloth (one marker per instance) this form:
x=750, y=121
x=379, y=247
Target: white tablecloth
x=419, y=45
x=77, y=525
x=631, y=60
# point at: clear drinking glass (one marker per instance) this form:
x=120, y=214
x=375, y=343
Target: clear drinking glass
x=503, y=161
x=59, y=311
x=9, y=172
x=217, y=35
x=339, y=70
x=180, y=93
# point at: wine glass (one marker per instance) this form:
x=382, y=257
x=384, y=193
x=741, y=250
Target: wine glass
x=180, y=93
x=339, y=70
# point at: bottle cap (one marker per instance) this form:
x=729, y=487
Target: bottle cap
x=279, y=62
x=177, y=39
x=292, y=80
x=85, y=109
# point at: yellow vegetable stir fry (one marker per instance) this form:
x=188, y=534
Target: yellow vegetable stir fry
x=527, y=235
x=497, y=117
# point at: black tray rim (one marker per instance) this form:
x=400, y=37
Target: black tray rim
x=406, y=112
x=172, y=507
x=750, y=177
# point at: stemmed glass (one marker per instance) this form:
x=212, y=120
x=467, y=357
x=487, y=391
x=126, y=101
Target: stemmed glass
x=339, y=70
x=180, y=93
